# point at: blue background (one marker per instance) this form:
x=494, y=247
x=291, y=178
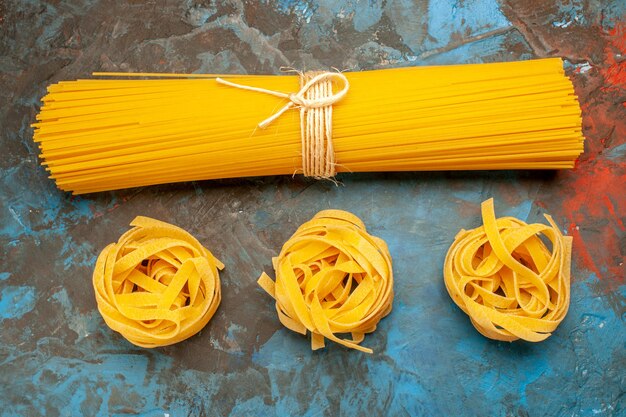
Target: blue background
x=57, y=357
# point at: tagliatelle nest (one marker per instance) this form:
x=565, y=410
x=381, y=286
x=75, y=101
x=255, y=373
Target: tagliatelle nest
x=505, y=278
x=157, y=285
x=332, y=277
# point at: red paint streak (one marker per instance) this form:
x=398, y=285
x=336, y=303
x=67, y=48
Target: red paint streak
x=605, y=140
x=604, y=121
x=591, y=197
x=614, y=71
x=594, y=224
x=609, y=205
x=580, y=247
x=110, y=209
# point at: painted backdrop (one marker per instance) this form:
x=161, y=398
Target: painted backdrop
x=57, y=358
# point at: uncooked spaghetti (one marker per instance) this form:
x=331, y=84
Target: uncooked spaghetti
x=112, y=133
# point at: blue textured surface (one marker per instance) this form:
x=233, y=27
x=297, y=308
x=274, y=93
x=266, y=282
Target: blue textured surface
x=57, y=357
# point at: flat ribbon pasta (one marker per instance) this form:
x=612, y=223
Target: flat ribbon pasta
x=157, y=285
x=332, y=277
x=506, y=280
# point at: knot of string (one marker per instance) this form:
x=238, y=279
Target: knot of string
x=315, y=100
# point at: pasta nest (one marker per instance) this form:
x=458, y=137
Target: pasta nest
x=332, y=278
x=503, y=276
x=157, y=285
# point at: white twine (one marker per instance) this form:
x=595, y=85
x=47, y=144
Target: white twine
x=315, y=100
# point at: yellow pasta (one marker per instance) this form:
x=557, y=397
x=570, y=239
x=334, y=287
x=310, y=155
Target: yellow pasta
x=157, y=285
x=505, y=278
x=332, y=278
x=105, y=134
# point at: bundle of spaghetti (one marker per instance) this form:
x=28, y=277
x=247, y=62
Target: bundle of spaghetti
x=112, y=133
x=157, y=285
x=504, y=277
x=332, y=278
